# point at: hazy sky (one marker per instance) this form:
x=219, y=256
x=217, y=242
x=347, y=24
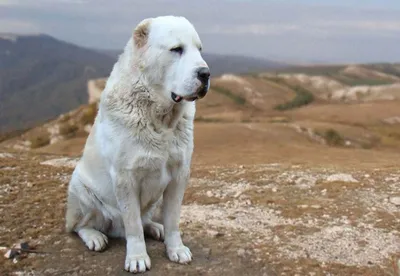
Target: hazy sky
x=299, y=30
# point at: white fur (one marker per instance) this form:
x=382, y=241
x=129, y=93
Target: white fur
x=139, y=151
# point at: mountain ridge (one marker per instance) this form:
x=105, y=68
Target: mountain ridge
x=42, y=77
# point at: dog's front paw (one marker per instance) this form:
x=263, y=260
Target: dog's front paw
x=180, y=254
x=137, y=263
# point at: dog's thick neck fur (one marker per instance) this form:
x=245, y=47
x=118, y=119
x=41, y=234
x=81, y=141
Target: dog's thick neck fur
x=134, y=101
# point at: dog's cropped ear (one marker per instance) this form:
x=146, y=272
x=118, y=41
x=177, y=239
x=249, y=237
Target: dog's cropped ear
x=141, y=33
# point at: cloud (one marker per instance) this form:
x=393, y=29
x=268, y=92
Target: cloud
x=18, y=26
x=311, y=28
x=261, y=28
x=254, y=29
x=373, y=25
x=39, y=2
x=7, y=3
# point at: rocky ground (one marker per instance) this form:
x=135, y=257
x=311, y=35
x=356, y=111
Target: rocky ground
x=294, y=173
x=239, y=218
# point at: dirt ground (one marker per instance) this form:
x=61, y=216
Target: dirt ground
x=262, y=200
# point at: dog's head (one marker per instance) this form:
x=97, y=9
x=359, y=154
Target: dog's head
x=168, y=50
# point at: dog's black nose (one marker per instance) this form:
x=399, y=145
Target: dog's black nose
x=203, y=74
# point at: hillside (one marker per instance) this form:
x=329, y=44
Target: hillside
x=294, y=173
x=42, y=77
x=320, y=107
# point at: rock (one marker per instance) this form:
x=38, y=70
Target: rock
x=87, y=128
x=22, y=245
x=274, y=190
x=214, y=233
x=11, y=254
x=241, y=252
x=306, y=182
x=392, y=120
x=304, y=206
x=209, y=194
x=207, y=252
x=395, y=200
x=61, y=162
x=248, y=202
x=6, y=155
x=341, y=177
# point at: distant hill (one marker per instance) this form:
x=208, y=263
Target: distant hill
x=42, y=77
x=221, y=64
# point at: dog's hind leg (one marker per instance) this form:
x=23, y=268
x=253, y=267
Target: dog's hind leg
x=152, y=228
x=94, y=239
x=86, y=221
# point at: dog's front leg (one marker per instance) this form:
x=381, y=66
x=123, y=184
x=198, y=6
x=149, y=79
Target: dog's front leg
x=127, y=191
x=172, y=201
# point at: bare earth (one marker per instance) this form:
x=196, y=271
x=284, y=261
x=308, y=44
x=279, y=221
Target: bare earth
x=263, y=200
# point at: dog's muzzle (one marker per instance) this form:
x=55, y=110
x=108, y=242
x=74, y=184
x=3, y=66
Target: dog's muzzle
x=203, y=74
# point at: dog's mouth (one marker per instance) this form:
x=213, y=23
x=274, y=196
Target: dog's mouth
x=176, y=98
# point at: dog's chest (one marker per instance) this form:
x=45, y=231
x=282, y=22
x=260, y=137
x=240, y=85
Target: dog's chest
x=165, y=168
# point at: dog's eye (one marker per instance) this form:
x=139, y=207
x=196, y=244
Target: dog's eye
x=178, y=50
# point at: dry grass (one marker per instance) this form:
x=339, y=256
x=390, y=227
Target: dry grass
x=333, y=137
x=89, y=114
x=68, y=129
x=228, y=93
x=39, y=140
x=303, y=97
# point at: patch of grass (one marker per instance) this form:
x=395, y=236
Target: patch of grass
x=40, y=140
x=279, y=120
x=275, y=79
x=387, y=68
x=394, y=135
x=369, y=82
x=333, y=138
x=389, y=135
x=226, y=92
x=68, y=129
x=246, y=120
x=253, y=74
x=10, y=135
x=320, y=70
x=89, y=114
x=303, y=97
x=371, y=143
x=64, y=118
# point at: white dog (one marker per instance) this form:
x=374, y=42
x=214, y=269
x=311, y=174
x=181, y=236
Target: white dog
x=139, y=151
